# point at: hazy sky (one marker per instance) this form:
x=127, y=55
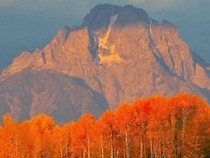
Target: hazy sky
x=28, y=24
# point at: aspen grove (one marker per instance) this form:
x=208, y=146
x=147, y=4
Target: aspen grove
x=155, y=127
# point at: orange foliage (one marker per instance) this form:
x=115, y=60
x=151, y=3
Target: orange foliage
x=155, y=127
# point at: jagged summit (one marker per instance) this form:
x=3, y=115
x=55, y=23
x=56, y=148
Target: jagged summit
x=119, y=53
x=99, y=16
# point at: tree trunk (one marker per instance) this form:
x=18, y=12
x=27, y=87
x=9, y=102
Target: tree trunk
x=141, y=149
x=88, y=147
x=61, y=150
x=112, y=147
x=84, y=153
x=127, y=147
x=151, y=148
x=66, y=149
x=16, y=147
x=102, y=146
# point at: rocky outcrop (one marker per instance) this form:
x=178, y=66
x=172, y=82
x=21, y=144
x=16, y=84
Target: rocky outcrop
x=120, y=53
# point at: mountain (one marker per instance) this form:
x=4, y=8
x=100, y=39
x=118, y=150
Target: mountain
x=116, y=55
x=29, y=93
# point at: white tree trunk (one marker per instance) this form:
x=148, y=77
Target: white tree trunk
x=127, y=147
x=112, y=147
x=88, y=147
x=102, y=146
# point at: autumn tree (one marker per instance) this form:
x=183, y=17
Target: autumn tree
x=154, y=127
x=82, y=136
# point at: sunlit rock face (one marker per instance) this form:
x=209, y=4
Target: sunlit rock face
x=116, y=55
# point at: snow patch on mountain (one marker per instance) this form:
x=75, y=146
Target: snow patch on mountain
x=106, y=52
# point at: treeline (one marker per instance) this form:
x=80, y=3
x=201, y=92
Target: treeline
x=157, y=127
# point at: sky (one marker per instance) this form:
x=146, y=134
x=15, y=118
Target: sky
x=30, y=24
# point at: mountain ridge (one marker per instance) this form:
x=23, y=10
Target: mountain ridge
x=120, y=58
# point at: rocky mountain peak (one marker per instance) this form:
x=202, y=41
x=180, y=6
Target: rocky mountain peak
x=62, y=34
x=119, y=53
x=99, y=17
